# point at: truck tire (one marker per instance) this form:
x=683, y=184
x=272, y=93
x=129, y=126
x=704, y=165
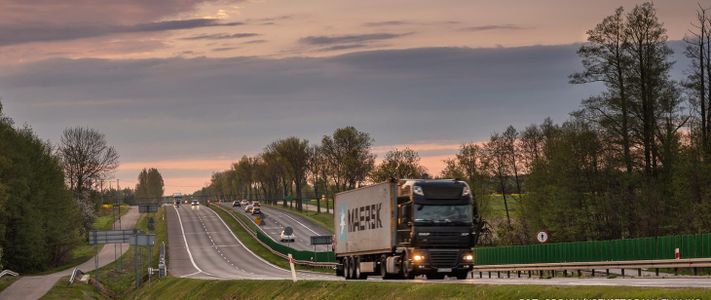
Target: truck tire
x=346, y=268
x=384, y=270
x=406, y=274
x=351, y=262
x=462, y=275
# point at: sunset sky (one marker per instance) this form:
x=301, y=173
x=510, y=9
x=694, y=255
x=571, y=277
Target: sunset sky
x=191, y=86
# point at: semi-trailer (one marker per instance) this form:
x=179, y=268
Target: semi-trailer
x=404, y=228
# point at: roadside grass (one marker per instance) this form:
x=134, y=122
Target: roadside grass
x=79, y=290
x=494, y=208
x=323, y=219
x=254, y=245
x=323, y=204
x=179, y=288
x=7, y=281
x=104, y=217
x=122, y=280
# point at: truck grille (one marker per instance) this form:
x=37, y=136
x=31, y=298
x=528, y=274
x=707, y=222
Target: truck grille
x=444, y=258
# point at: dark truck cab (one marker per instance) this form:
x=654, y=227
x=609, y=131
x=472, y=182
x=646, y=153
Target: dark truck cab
x=435, y=226
x=405, y=228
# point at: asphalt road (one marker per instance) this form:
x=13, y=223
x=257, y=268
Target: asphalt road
x=274, y=220
x=34, y=287
x=211, y=251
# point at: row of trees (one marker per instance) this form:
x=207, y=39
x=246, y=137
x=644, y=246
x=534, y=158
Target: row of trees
x=291, y=168
x=150, y=186
x=633, y=161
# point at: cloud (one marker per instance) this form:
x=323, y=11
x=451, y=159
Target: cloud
x=255, y=42
x=387, y=23
x=45, y=32
x=221, y=36
x=494, y=27
x=222, y=49
x=343, y=47
x=349, y=38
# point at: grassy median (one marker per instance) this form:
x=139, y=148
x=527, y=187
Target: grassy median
x=173, y=288
x=322, y=219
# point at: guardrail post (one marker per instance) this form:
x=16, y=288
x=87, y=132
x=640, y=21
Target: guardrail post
x=593, y=272
x=639, y=272
x=553, y=273
x=565, y=273
x=540, y=274
x=607, y=272
x=498, y=274
x=518, y=273
x=529, y=273
x=508, y=274
x=481, y=275
x=676, y=271
x=580, y=273
x=657, y=271
x=623, y=272
x=696, y=271
x=489, y=274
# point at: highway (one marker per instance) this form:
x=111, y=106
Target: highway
x=274, y=220
x=202, y=246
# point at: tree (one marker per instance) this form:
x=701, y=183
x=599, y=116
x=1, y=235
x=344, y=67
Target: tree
x=698, y=83
x=150, y=186
x=87, y=159
x=295, y=153
x=497, y=164
x=349, y=156
x=399, y=164
x=39, y=221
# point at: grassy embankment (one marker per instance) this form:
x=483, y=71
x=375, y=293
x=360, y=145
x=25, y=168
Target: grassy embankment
x=173, y=288
x=254, y=245
x=117, y=283
x=323, y=219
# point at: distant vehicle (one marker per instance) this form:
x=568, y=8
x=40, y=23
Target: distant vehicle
x=405, y=228
x=248, y=208
x=195, y=203
x=287, y=235
x=255, y=203
x=236, y=203
x=244, y=202
x=176, y=203
x=255, y=210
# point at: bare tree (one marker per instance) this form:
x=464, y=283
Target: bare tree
x=86, y=159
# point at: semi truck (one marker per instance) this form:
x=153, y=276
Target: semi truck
x=404, y=228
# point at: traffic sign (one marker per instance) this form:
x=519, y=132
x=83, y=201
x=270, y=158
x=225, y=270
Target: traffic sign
x=111, y=236
x=542, y=237
x=147, y=207
x=321, y=240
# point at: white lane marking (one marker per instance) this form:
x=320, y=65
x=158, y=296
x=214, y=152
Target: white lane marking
x=243, y=246
x=188, y=247
x=302, y=224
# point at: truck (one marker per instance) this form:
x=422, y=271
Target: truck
x=404, y=228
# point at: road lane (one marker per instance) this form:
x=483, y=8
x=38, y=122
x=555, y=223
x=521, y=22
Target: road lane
x=216, y=252
x=274, y=220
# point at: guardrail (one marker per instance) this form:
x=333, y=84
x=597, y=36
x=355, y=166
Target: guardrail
x=638, y=265
x=278, y=253
x=8, y=272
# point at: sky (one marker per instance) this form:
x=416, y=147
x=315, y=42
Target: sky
x=190, y=86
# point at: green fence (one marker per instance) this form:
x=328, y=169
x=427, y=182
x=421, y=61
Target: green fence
x=690, y=246
x=323, y=256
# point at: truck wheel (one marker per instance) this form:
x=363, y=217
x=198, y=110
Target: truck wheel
x=346, y=268
x=462, y=275
x=351, y=262
x=406, y=274
x=384, y=271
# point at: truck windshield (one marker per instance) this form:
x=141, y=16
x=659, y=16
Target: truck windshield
x=443, y=214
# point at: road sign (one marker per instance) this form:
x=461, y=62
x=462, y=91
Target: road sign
x=321, y=240
x=147, y=207
x=110, y=236
x=143, y=240
x=542, y=237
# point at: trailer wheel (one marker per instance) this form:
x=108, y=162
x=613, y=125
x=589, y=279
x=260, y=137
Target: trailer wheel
x=351, y=262
x=346, y=268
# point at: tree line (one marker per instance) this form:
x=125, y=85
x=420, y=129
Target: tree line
x=289, y=169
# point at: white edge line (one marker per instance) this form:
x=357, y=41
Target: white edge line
x=188, y=247
x=243, y=246
x=288, y=216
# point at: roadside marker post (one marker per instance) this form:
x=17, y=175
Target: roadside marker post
x=291, y=264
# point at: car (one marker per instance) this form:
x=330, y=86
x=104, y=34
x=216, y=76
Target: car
x=195, y=203
x=247, y=208
x=255, y=203
x=236, y=204
x=255, y=210
x=244, y=202
x=287, y=235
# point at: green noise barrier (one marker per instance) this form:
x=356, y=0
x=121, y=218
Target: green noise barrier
x=650, y=248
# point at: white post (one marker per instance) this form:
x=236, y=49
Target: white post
x=293, y=271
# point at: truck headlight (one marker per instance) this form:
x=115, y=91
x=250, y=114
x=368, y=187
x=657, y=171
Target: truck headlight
x=418, y=258
x=466, y=191
x=417, y=190
x=468, y=257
